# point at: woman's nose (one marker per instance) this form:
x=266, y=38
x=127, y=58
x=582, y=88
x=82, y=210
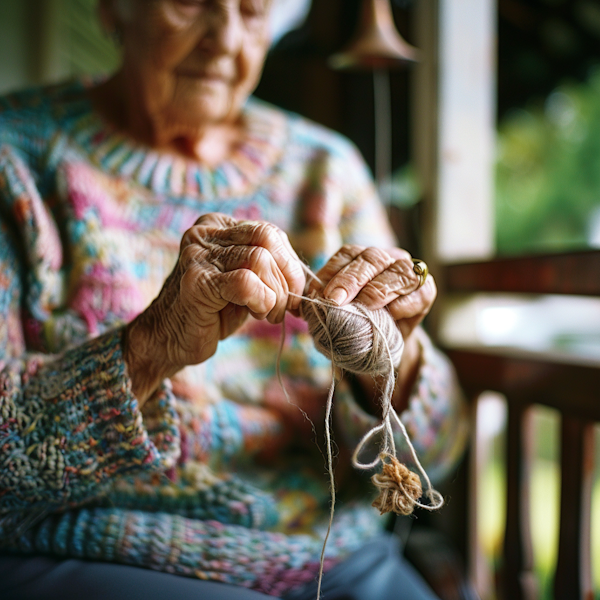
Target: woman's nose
x=224, y=28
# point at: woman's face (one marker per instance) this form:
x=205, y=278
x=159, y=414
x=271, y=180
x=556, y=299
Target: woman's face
x=193, y=62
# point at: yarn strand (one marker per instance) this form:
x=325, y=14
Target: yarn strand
x=335, y=331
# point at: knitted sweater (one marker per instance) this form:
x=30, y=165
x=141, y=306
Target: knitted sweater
x=218, y=476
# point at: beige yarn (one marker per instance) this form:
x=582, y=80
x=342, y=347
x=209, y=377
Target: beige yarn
x=355, y=339
x=399, y=488
x=363, y=341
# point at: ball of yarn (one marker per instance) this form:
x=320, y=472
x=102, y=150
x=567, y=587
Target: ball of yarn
x=353, y=337
x=399, y=488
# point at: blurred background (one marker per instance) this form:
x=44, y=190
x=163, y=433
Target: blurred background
x=524, y=179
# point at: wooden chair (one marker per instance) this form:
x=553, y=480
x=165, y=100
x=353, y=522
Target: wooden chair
x=571, y=387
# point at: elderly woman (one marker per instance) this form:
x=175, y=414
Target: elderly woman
x=144, y=270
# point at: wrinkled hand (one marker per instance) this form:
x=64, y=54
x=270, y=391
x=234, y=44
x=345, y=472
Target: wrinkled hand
x=226, y=270
x=382, y=278
x=378, y=278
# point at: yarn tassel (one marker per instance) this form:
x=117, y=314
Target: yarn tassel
x=399, y=488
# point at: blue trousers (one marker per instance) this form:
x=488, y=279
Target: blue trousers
x=376, y=572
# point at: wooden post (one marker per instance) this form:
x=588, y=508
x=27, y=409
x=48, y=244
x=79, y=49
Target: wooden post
x=517, y=578
x=454, y=126
x=573, y=580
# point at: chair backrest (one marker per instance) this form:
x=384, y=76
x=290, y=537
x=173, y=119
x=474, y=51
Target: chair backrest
x=569, y=386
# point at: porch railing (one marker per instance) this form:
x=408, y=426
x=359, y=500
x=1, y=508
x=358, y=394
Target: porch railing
x=568, y=385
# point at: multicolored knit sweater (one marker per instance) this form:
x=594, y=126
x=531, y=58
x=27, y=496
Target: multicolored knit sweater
x=219, y=476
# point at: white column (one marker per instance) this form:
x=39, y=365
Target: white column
x=454, y=126
x=466, y=121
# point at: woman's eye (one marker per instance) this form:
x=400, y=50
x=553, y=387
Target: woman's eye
x=253, y=8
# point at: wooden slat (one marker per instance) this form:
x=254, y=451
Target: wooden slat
x=517, y=580
x=575, y=273
x=573, y=580
x=570, y=388
x=478, y=566
x=526, y=379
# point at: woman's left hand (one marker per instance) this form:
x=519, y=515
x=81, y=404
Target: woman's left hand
x=378, y=278
x=382, y=278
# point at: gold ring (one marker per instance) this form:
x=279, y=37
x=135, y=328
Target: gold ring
x=421, y=269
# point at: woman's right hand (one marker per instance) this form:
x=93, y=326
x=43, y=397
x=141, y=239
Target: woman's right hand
x=226, y=270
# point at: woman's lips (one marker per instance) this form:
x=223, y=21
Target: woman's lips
x=205, y=76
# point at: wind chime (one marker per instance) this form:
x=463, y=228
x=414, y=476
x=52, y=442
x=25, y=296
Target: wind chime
x=378, y=47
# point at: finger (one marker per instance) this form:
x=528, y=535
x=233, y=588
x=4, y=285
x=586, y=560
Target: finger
x=284, y=236
x=244, y=288
x=417, y=304
x=343, y=257
x=216, y=220
x=261, y=262
x=371, y=263
x=204, y=227
x=399, y=279
x=270, y=237
x=209, y=291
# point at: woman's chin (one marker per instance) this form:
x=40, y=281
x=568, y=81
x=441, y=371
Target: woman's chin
x=209, y=105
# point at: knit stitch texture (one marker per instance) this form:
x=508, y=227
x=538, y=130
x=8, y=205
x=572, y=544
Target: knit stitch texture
x=218, y=477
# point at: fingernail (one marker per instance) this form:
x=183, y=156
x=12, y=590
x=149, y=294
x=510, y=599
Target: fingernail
x=338, y=295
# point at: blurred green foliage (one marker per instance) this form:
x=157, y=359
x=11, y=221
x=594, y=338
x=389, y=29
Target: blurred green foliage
x=548, y=172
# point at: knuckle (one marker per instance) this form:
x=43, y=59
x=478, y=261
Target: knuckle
x=207, y=286
x=375, y=292
x=265, y=229
x=216, y=219
x=258, y=255
x=392, y=283
x=243, y=279
x=350, y=250
x=261, y=233
x=403, y=272
x=376, y=258
x=188, y=237
x=208, y=217
x=235, y=287
x=189, y=254
x=403, y=265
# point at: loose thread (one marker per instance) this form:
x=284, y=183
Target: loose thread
x=399, y=488
x=282, y=384
x=329, y=458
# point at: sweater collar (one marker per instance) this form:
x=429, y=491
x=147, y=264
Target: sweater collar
x=170, y=174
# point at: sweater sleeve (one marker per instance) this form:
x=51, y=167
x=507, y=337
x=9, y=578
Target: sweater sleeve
x=266, y=561
x=69, y=422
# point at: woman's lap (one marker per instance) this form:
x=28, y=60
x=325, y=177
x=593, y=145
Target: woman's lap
x=47, y=578
x=376, y=571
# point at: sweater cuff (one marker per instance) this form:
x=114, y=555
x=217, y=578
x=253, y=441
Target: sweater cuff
x=92, y=410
